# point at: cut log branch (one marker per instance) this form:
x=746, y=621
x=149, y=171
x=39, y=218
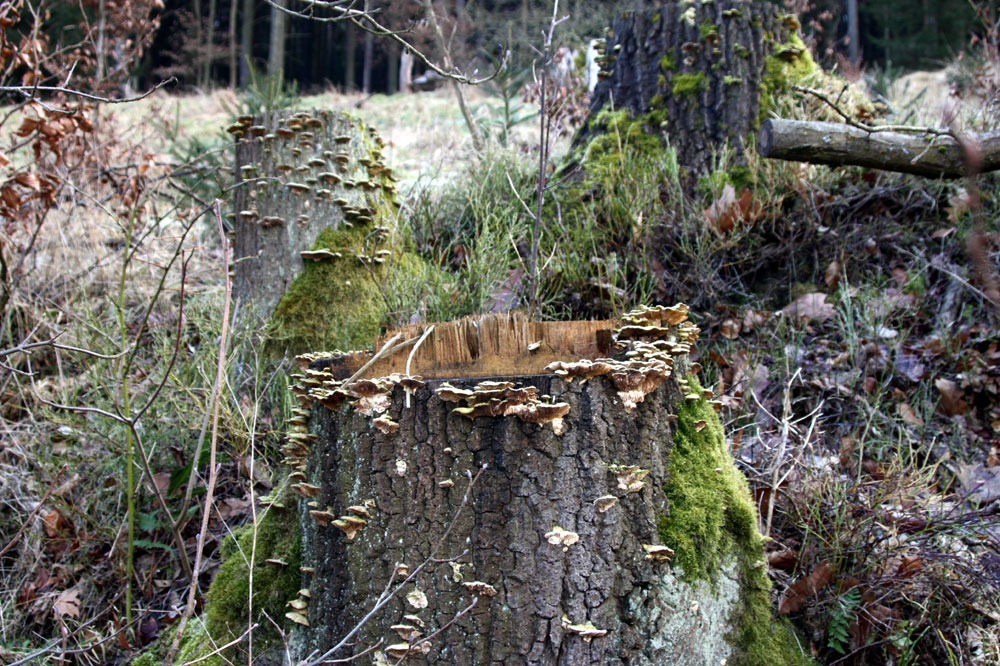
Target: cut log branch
x=837, y=144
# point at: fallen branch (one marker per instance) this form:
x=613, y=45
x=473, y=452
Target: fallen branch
x=838, y=144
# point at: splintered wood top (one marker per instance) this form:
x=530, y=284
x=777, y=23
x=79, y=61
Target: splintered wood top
x=505, y=344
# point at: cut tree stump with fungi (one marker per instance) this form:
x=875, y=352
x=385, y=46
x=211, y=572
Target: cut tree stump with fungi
x=315, y=238
x=839, y=144
x=607, y=525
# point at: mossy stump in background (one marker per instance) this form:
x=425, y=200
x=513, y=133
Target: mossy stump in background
x=698, y=75
x=608, y=525
x=316, y=239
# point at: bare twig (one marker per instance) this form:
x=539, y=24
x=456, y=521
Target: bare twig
x=32, y=91
x=212, y=472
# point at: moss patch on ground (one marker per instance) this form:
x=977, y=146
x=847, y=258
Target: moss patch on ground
x=702, y=480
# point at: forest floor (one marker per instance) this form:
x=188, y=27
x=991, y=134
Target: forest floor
x=847, y=329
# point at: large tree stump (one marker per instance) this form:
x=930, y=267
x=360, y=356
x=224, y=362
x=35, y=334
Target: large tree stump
x=699, y=75
x=566, y=541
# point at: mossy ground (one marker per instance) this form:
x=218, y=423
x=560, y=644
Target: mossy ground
x=711, y=518
x=227, y=607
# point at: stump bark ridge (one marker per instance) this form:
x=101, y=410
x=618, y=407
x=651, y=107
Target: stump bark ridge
x=560, y=540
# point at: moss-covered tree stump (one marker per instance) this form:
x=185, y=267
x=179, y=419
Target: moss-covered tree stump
x=607, y=523
x=316, y=240
x=699, y=75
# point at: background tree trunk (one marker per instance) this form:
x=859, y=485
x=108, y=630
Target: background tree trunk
x=350, y=58
x=693, y=73
x=276, y=52
x=246, y=42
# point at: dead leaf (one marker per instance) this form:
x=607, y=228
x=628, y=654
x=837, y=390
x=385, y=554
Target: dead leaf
x=908, y=415
x=910, y=566
x=943, y=233
x=811, y=307
x=796, y=595
x=753, y=319
x=951, y=402
x=29, y=180
x=832, y=274
x=730, y=329
x=783, y=559
x=67, y=604
x=723, y=213
x=53, y=522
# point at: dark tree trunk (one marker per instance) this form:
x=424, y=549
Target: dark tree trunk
x=366, y=67
x=246, y=42
x=692, y=72
x=552, y=542
x=350, y=59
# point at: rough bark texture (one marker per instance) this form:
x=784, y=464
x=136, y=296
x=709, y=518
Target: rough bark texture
x=838, y=144
x=274, y=220
x=693, y=73
x=534, y=481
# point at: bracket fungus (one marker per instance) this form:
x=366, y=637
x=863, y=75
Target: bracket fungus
x=630, y=477
x=480, y=588
x=385, y=425
x=495, y=399
x=350, y=525
x=405, y=650
x=657, y=553
x=562, y=537
x=605, y=502
x=586, y=631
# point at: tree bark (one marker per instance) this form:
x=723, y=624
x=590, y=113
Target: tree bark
x=692, y=72
x=558, y=544
x=276, y=50
x=838, y=144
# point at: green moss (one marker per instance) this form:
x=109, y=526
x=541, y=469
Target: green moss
x=667, y=63
x=702, y=479
x=338, y=303
x=732, y=80
x=708, y=29
x=689, y=85
x=741, y=50
x=656, y=18
x=622, y=131
x=277, y=537
x=788, y=65
x=656, y=102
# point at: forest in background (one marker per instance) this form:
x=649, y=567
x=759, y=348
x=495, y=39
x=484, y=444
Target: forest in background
x=209, y=43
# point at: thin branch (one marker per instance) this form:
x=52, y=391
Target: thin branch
x=213, y=445
x=29, y=92
x=873, y=128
